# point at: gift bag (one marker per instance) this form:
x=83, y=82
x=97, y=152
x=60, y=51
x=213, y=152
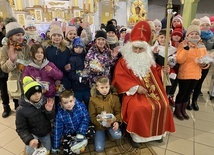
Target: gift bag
x=14, y=88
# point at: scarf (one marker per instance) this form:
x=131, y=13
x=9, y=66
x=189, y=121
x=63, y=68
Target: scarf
x=206, y=34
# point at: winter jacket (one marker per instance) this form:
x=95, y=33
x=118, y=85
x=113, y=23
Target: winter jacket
x=60, y=59
x=109, y=103
x=77, y=63
x=40, y=74
x=189, y=68
x=12, y=68
x=2, y=74
x=30, y=120
x=104, y=60
x=72, y=122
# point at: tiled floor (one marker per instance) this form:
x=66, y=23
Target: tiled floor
x=192, y=137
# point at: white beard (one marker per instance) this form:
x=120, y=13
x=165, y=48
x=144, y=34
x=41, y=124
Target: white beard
x=139, y=63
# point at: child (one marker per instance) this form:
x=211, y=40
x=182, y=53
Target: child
x=189, y=71
x=70, y=35
x=100, y=59
x=33, y=116
x=207, y=37
x=158, y=26
x=159, y=52
x=43, y=71
x=212, y=23
x=112, y=39
x=122, y=35
x=71, y=121
x=31, y=34
x=59, y=54
x=78, y=75
x=104, y=99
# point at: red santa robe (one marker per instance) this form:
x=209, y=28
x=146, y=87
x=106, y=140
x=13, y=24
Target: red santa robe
x=148, y=117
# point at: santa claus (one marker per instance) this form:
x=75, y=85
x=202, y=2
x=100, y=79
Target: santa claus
x=145, y=107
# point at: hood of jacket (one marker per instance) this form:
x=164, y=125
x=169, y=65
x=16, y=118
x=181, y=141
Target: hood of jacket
x=44, y=63
x=26, y=103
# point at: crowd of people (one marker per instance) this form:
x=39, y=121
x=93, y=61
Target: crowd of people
x=68, y=88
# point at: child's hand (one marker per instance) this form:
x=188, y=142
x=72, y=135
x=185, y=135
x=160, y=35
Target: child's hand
x=115, y=126
x=48, y=68
x=49, y=104
x=57, y=82
x=115, y=51
x=156, y=50
x=67, y=67
x=12, y=53
x=166, y=69
x=185, y=43
x=34, y=143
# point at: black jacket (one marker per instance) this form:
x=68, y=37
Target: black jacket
x=2, y=74
x=30, y=120
x=77, y=65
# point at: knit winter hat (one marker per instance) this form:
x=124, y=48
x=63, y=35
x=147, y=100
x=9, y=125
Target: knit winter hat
x=13, y=27
x=177, y=31
x=179, y=18
x=101, y=34
x=78, y=43
x=69, y=28
x=205, y=20
x=56, y=30
x=194, y=27
x=157, y=22
x=110, y=27
x=55, y=23
x=30, y=87
x=29, y=22
x=122, y=29
x=212, y=19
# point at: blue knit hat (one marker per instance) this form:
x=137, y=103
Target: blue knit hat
x=78, y=43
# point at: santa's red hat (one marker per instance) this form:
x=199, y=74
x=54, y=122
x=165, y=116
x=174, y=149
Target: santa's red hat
x=140, y=34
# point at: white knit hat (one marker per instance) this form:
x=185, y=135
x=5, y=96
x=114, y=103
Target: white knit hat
x=205, y=20
x=157, y=22
x=12, y=27
x=29, y=22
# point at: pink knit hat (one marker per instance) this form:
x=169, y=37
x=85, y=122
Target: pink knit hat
x=69, y=28
x=212, y=19
x=179, y=18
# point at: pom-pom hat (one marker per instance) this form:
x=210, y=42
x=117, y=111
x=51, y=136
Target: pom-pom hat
x=157, y=22
x=56, y=30
x=212, y=19
x=110, y=27
x=140, y=34
x=194, y=27
x=177, y=31
x=29, y=22
x=30, y=87
x=78, y=43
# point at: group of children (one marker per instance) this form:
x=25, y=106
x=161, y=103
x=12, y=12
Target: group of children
x=60, y=64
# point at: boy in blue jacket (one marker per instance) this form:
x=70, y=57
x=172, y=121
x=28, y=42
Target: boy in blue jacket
x=71, y=122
